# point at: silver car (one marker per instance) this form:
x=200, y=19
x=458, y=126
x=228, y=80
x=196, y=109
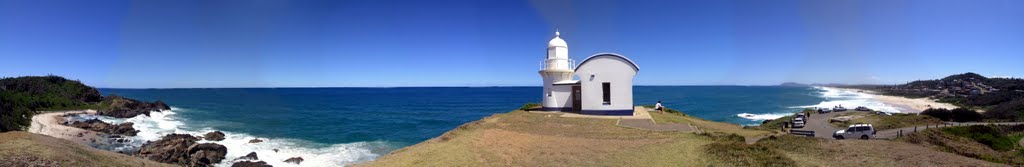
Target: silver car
x=862, y=131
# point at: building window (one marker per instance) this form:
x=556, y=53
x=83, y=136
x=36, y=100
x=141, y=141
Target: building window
x=606, y=88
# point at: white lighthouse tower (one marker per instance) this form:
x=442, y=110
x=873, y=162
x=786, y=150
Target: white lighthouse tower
x=557, y=71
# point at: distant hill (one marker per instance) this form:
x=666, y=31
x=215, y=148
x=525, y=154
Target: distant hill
x=1002, y=98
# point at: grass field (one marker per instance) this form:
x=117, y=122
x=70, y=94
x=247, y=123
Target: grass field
x=19, y=148
x=884, y=122
x=521, y=138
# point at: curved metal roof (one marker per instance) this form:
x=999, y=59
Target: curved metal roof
x=635, y=67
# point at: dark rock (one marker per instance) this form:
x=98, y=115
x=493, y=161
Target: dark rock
x=250, y=164
x=214, y=136
x=182, y=149
x=206, y=154
x=250, y=156
x=172, y=149
x=275, y=150
x=295, y=160
x=121, y=107
x=255, y=141
x=100, y=126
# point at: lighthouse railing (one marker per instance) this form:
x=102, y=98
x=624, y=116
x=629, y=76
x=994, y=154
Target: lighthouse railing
x=544, y=63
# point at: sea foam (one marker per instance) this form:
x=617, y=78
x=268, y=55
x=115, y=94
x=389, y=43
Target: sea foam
x=849, y=99
x=761, y=117
x=158, y=124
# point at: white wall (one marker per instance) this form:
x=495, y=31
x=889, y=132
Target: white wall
x=611, y=69
x=560, y=94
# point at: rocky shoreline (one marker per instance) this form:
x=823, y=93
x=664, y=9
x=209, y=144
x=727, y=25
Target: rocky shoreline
x=176, y=149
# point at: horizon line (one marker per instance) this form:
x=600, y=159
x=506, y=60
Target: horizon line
x=496, y=86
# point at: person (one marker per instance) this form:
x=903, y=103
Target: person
x=659, y=107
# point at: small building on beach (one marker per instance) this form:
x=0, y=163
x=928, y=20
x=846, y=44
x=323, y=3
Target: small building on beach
x=602, y=84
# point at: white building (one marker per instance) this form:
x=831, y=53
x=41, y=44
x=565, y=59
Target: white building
x=603, y=83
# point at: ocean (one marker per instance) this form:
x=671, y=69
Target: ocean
x=339, y=126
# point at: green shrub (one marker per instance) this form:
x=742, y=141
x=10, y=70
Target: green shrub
x=964, y=115
x=940, y=113
x=21, y=97
x=992, y=136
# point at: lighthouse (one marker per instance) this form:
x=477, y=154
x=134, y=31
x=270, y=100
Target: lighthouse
x=557, y=69
x=603, y=83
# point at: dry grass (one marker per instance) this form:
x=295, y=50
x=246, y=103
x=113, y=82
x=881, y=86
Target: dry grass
x=822, y=152
x=940, y=140
x=535, y=139
x=884, y=122
x=19, y=148
x=706, y=125
x=531, y=139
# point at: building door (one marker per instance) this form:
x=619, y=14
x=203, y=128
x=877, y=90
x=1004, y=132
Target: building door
x=577, y=99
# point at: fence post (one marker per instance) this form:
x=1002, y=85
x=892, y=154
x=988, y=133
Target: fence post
x=915, y=129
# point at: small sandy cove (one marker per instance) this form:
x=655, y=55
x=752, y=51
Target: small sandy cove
x=915, y=105
x=50, y=124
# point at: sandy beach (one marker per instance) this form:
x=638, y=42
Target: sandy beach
x=50, y=124
x=907, y=105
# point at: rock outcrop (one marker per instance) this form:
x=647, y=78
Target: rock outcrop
x=182, y=149
x=97, y=125
x=250, y=164
x=206, y=154
x=295, y=160
x=120, y=107
x=250, y=156
x=255, y=141
x=214, y=136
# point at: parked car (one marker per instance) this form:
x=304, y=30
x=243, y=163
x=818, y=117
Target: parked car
x=824, y=110
x=861, y=131
x=839, y=108
x=862, y=108
x=798, y=122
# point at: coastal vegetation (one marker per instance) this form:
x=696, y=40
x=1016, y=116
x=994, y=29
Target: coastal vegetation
x=956, y=115
x=994, y=143
x=21, y=97
x=885, y=122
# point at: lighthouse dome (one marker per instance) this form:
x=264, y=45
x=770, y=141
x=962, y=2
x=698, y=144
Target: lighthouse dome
x=557, y=42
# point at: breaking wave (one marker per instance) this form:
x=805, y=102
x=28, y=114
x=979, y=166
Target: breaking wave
x=158, y=124
x=761, y=117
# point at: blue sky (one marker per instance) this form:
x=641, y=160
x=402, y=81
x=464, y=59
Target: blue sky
x=384, y=43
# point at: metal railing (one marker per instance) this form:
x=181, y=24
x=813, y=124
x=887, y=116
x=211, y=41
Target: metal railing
x=544, y=63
